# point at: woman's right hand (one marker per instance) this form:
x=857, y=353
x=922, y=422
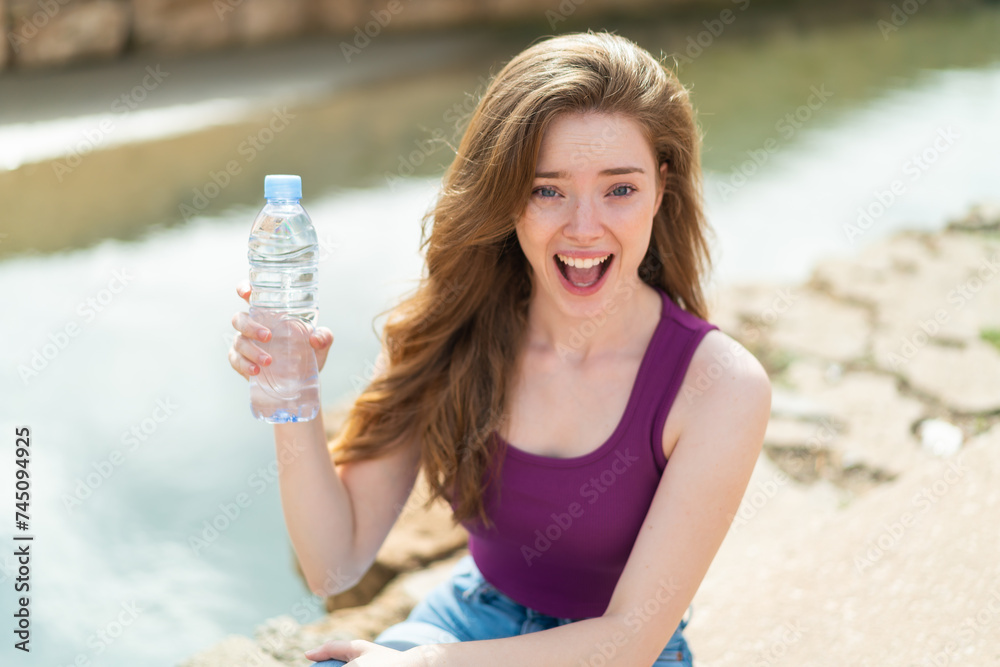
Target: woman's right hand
x=247, y=359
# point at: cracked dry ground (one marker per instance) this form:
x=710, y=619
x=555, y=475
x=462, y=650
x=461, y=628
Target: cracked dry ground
x=855, y=544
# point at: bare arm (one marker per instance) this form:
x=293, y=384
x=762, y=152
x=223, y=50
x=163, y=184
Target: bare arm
x=338, y=516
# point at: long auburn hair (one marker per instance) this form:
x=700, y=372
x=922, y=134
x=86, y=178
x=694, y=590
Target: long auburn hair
x=450, y=346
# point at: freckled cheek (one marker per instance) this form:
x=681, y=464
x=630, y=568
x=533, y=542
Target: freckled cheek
x=536, y=234
x=630, y=218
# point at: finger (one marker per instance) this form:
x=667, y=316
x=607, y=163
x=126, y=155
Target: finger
x=242, y=365
x=334, y=649
x=251, y=352
x=321, y=338
x=249, y=328
x=243, y=289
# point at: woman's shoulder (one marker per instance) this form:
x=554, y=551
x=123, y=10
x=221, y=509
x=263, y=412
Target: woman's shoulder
x=722, y=379
x=721, y=368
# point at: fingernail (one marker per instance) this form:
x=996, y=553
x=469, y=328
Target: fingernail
x=264, y=360
x=253, y=369
x=262, y=334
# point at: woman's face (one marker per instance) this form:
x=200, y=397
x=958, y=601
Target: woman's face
x=588, y=221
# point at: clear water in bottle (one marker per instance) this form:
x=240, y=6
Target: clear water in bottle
x=284, y=263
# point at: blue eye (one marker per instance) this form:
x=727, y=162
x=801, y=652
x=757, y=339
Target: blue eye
x=623, y=190
x=546, y=192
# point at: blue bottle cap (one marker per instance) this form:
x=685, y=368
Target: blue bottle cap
x=282, y=186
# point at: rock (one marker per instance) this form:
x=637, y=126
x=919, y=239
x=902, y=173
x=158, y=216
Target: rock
x=820, y=326
x=184, y=25
x=907, y=575
x=435, y=14
x=920, y=286
x=963, y=379
x=3, y=31
x=747, y=312
x=338, y=16
x=371, y=584
x=864, y=278
x=44, y=34
x=285, y=640
x=260, y=21
x=786, y=433
x=391, y=606
x=233, y=650
x=796, y=405
x=798, y=449
x=875, y=421
x=939, y=437
x=510, y=10
x=282, y=640
x=981, y=218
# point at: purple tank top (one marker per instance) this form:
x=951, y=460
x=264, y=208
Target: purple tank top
x=566, y=526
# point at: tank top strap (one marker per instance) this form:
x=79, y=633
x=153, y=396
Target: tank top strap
x=674, y=344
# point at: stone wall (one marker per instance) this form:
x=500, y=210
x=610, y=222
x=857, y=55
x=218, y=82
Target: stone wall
x=42, y=33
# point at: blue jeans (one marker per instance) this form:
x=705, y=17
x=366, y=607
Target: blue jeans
x=466, y=608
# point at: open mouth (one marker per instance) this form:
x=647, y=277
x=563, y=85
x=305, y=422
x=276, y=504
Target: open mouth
x=583, y=273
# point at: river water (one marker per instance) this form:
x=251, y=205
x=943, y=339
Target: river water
x=155, y=505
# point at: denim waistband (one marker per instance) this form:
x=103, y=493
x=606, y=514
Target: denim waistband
x=480, y=587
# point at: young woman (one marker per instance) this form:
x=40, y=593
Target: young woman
x=555, y=378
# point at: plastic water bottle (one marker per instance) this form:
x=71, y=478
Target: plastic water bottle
x=284, y=263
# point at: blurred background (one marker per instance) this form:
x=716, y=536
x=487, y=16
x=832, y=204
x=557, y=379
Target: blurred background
x=134, y=140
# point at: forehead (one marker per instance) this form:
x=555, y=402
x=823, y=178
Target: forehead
x=585, y=141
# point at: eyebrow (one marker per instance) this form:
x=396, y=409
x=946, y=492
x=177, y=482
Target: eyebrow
x=616, y=171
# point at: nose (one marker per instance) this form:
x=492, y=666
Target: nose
x=584, y=225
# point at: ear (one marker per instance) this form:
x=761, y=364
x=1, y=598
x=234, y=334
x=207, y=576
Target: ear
x=661, y=185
